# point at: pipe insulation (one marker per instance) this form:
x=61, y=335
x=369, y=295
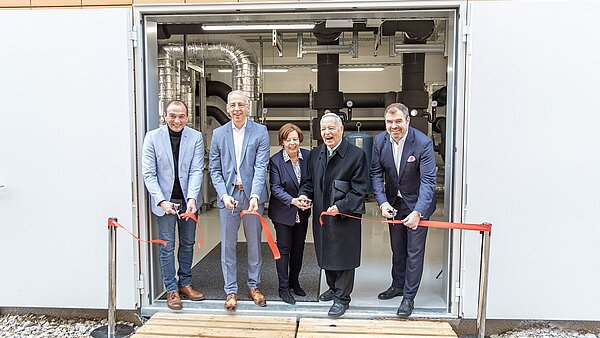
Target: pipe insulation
x=236, y=51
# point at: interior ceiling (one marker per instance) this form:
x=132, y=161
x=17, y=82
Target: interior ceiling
x=366, y=39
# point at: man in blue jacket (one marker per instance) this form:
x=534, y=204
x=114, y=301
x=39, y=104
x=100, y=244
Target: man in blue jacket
x=403, y=174
x=239, y=155
x=172, y=165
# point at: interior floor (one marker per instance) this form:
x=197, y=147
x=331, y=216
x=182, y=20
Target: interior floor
x=373, y=276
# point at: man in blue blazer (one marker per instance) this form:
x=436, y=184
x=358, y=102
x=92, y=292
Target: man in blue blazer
x=403, y=174
x=172, y=165
x=239, y=155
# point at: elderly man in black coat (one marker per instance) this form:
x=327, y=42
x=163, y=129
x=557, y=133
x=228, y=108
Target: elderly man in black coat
x=337, y=178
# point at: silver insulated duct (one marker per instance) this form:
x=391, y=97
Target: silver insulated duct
x=233, y=49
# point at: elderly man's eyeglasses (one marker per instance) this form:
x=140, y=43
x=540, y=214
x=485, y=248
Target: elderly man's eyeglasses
x=237, y=104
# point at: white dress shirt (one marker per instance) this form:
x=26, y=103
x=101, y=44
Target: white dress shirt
x=238, y=142
x=397, y=149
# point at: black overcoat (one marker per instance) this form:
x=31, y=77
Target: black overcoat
x=341, y=180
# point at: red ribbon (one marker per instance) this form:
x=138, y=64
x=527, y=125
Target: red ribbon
x=266, y=231
x=116, y=224
x=191, y=215
x=431, y=224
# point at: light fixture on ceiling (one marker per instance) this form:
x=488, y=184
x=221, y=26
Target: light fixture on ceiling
x=264, y=70
x=357, y=69
x=258, y=27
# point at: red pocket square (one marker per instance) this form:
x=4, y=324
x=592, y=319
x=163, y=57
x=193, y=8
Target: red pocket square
x=411, y=159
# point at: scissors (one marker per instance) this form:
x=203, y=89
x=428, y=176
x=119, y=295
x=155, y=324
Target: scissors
x=235, y=204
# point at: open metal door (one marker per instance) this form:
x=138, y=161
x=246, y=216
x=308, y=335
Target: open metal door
x=530, y=156
x=67, y=156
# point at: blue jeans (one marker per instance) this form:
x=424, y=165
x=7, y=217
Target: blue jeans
x=185, y=252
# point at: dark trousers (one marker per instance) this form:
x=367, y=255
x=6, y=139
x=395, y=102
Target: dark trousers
x=290, y=242
x=342, y=283
x=408, y=253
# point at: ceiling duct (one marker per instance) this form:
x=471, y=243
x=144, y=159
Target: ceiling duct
x=236, y=51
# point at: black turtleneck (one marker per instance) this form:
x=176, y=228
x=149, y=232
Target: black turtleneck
x=175, y=141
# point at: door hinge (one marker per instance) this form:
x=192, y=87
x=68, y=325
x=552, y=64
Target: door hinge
x=458, y=293
x=133, y=37
x=466, y=31
x=140, y=283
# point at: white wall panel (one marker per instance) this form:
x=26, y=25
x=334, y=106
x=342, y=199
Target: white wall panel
x=65, y=156
x=532, y=157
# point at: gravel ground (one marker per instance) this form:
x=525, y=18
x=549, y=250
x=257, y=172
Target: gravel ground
x=548, y=332
x=29, y=326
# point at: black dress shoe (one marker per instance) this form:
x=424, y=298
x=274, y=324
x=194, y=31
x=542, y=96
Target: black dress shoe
x=298, y=291
x=406, y=308
x=287, y=297
x=390, y=293
x=326, y=296
x=337, y=309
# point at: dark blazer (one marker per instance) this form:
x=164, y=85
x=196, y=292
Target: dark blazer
x=341, y=181
x=284, y=186
x=417, y=177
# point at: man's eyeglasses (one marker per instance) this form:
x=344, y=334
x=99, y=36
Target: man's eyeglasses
x=237, y=104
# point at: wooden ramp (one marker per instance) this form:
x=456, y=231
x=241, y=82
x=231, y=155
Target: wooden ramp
x=199, y=325
x=338, y=328
x=233, y=325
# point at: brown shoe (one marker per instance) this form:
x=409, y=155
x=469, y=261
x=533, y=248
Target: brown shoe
x=190, y=293
x=231, y=302
x=174, y=301
x=257, y=297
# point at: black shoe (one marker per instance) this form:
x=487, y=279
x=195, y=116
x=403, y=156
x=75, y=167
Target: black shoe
x=326, y=296
x=390, y=293
x=287, y=297
x=337, y=309
x=406, y=308
x=298, y=291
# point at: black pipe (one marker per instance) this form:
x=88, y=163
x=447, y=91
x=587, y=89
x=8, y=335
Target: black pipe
x=369, y=125
x=217, y=114
x=286, y=100
x=413, y=93
x=301, y=100
x=328, y=95
x=413, y=71
x=440, y=96
x=416, y=30
x=439, y=126
x=217, y=88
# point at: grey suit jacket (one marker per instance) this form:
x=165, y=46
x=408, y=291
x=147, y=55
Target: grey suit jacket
x=253, y=167
x=159, y=170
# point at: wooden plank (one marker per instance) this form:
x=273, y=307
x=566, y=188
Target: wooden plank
x=15, y=3
x=169, y=331
x=368, y=322
x=350, y=335
x=106, y=2
x=223, y=318
x=227, y=317
x=206, y=325
x=207, y=1
x=54, y=3
x=158, y=1
x=318, y=327
x=250, y=326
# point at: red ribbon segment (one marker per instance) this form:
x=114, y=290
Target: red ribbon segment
x=116, y=224
x=193, y=217
x=266, y=231
x=431, y=224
